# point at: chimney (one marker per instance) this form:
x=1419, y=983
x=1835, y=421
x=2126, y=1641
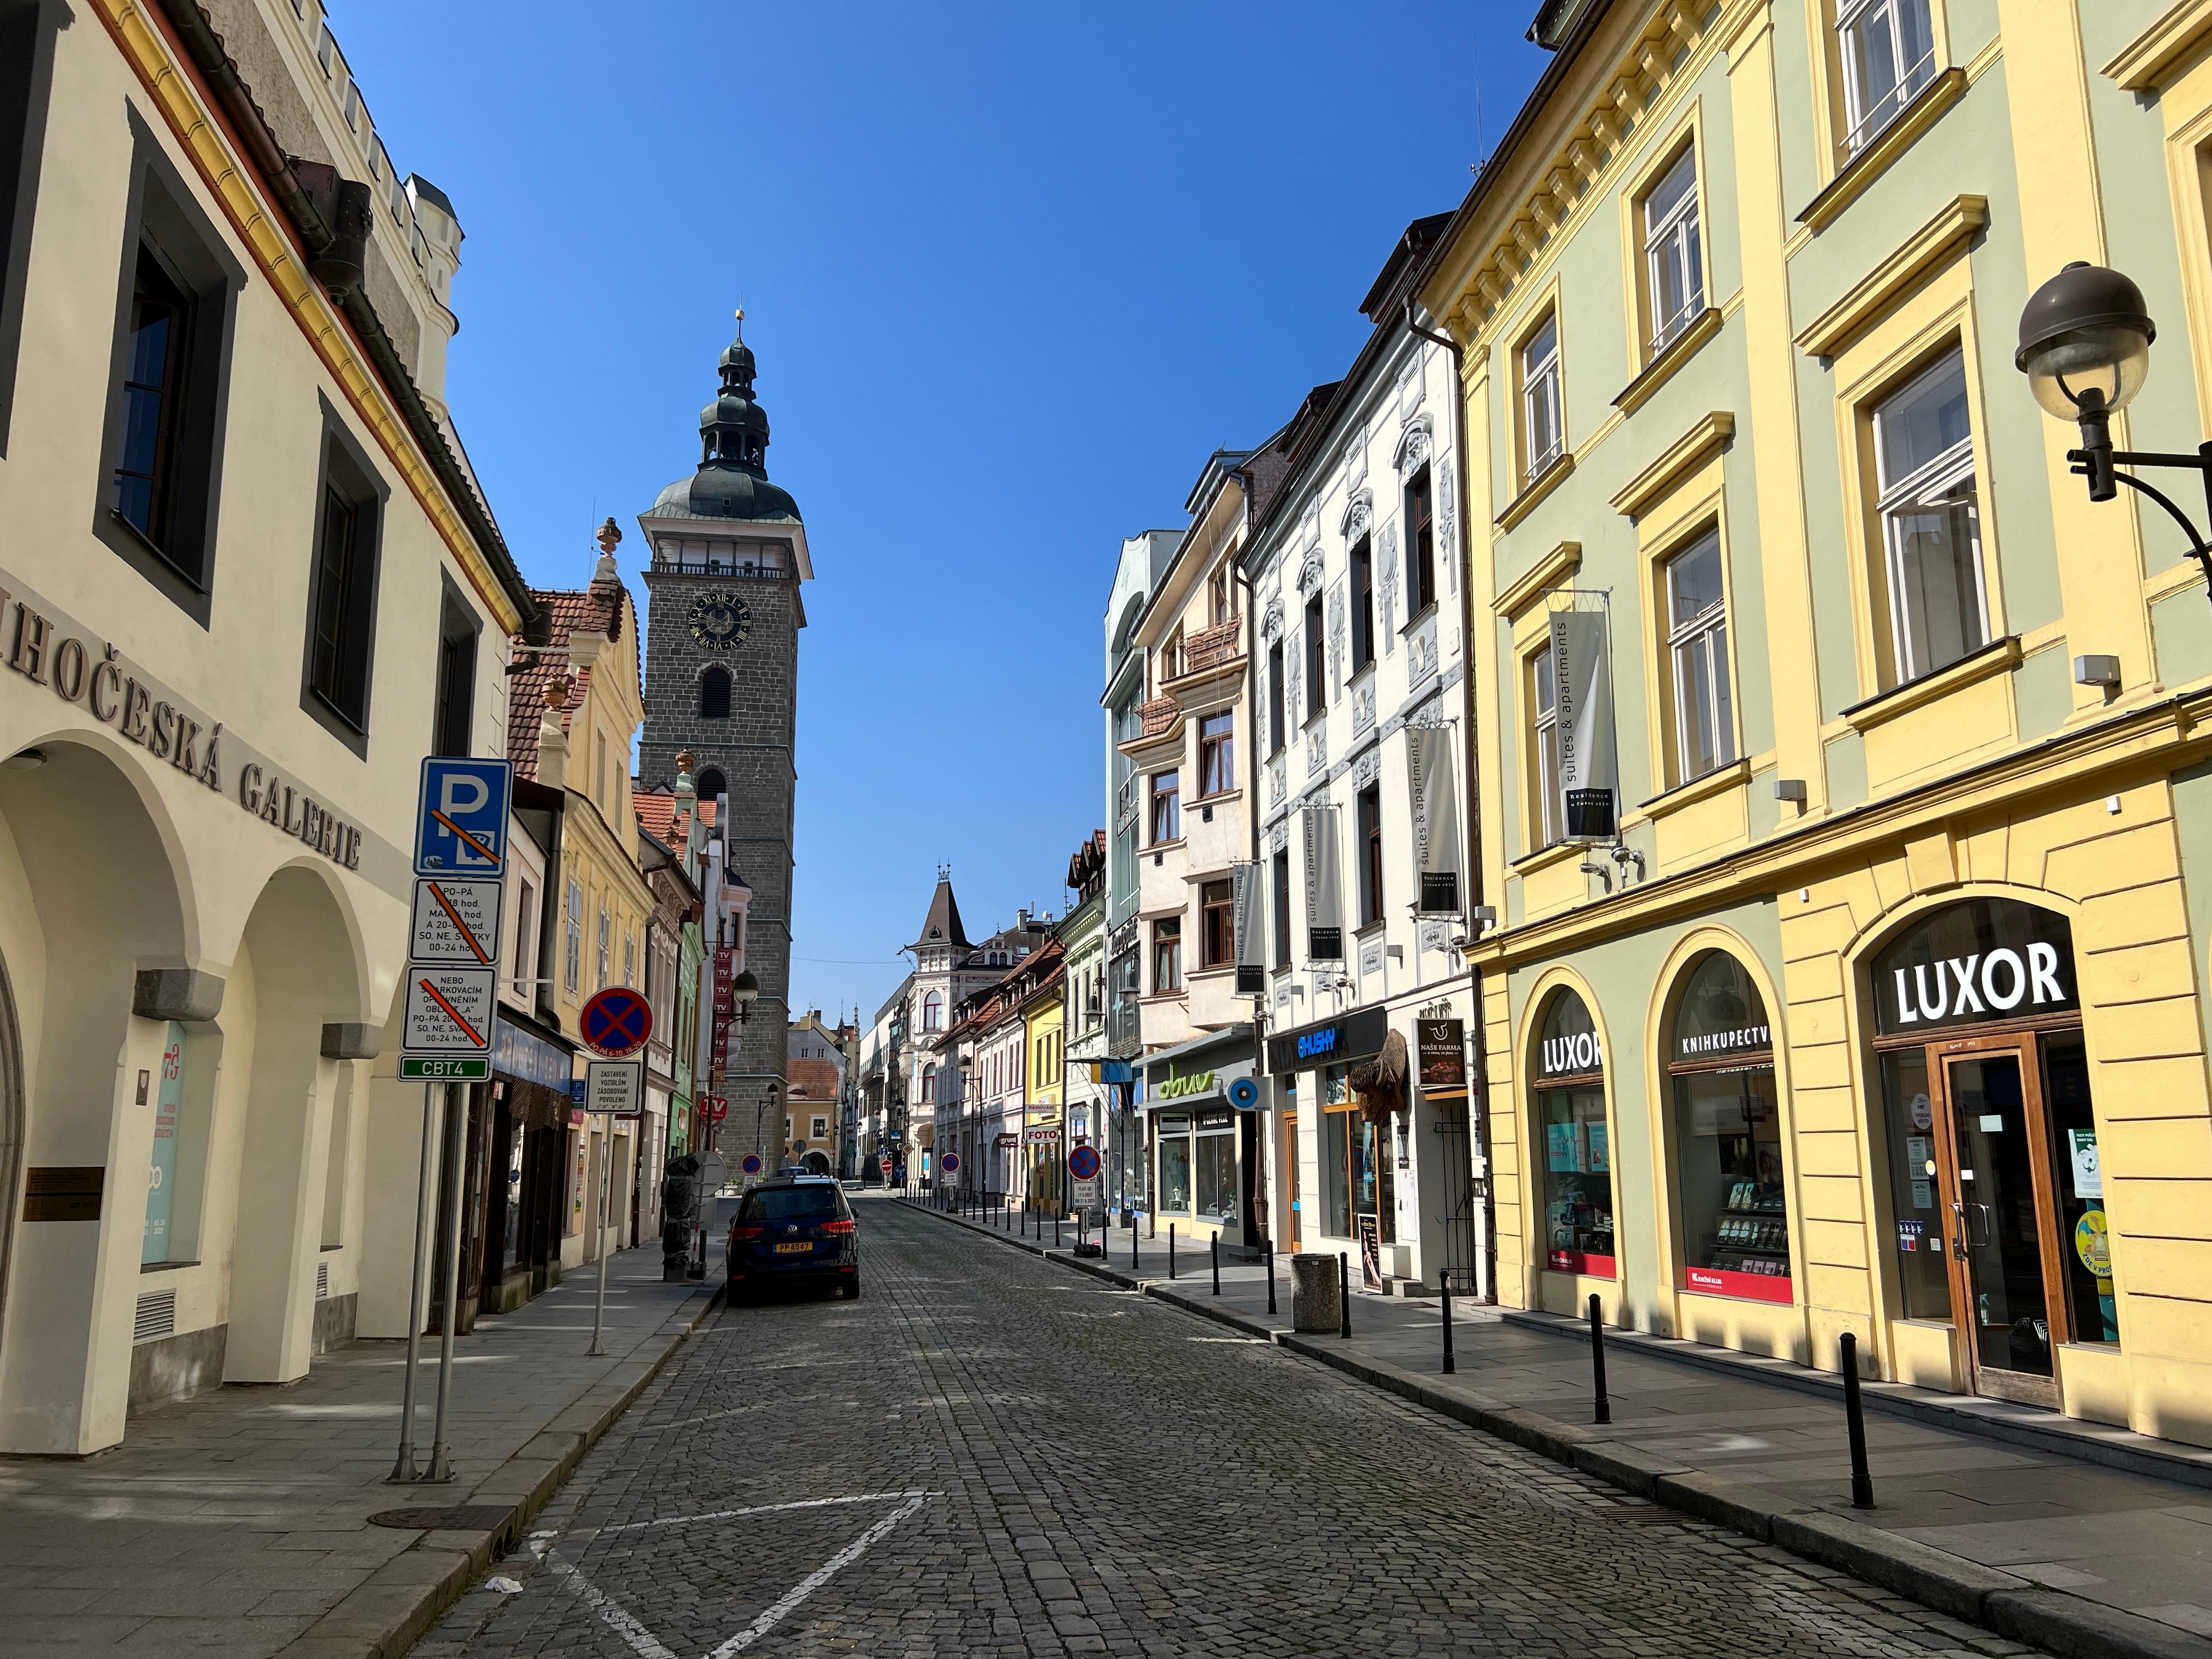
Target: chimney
x=552, y=741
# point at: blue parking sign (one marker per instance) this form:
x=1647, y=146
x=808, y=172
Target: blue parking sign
x=461, y=825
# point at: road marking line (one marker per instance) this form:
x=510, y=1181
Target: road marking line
x=814, y=1581
x=768, y=1508
x=641, y=1641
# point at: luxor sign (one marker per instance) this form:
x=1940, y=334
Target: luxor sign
x=1984, y=960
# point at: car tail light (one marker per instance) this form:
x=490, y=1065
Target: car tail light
x=841, y=1226
x=742, y=1234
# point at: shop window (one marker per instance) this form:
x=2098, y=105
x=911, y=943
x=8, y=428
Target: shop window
x=1543, y=429
x=1420, y=544
x=1698, y=657
x=1216, y=754
x=1216, y=929
x=1363, y=604
x=169, y=384
x=1730, y=1201
x=1370, y=814
x=27, y=28
x=1931, y=521
x=1889, y=54
x=1340, y=1132
x=1277, y=737
x=714, y=694
x=1167, y=807
x=1167, y=956
x=1358, y=1189
x=1215, y=1155
x=1544, y=813
x=1281, y=867
x=1317, y=659
x=1174, y=1140
x=454, y=714
x=2078, y=1182
x=1673, y=254
x=1574, y=1148
x=157, y=1243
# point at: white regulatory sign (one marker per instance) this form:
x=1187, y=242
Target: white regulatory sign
x=616, y=1087
x=449, y=1011
x=455, y=922
x=1085, y=1195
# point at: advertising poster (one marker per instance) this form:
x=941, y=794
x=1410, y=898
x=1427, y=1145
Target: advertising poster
x=1436, y=817
x=1590, y=783
x=1324, y=887
x=1563, y=1145
x=162, y=1177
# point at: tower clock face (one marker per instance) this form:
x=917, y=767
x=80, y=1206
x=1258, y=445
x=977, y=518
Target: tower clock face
x=720, y=620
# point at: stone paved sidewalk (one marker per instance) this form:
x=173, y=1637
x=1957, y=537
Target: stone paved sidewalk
x=2119, y=1556
x=235, y=1522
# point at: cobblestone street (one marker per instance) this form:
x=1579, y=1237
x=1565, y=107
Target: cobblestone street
x=986, y=1455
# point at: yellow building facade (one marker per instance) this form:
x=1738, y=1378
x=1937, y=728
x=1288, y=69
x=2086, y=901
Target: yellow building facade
x=1877, y=1006
x=1044, y=1032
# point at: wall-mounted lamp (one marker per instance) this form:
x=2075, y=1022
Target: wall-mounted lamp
x=1482, y=916
x=1790, y=789
x=1396, y=953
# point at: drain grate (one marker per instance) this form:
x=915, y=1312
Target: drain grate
x=1649, y=1514
x=455, y=1517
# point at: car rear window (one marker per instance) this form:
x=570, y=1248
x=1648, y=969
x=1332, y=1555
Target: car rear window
x=792, y=1203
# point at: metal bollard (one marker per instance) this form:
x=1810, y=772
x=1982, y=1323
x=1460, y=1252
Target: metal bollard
x=1597, y=1360
x=1444, y=1284
x=1055, y=1233
x=1217, y=1264
x=1133, y=1246
x=1271, y=1275
x=1344, y=1296
x=1855, y=1425
x=1171, y=1250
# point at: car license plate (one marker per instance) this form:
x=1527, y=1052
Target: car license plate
x=793, y=1249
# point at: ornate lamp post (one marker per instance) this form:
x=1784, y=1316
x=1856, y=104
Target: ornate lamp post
x=2085, y=340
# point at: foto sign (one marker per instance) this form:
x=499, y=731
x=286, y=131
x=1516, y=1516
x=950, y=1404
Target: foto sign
x=455, y=922
x=614, y=1087
x=460, y=824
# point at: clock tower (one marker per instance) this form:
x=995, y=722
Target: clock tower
x=727, y=558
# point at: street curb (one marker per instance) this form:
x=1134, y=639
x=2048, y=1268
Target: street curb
x=2057, y=1620
x=386, y=1614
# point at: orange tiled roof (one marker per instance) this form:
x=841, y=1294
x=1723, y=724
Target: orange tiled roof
x=565, y=612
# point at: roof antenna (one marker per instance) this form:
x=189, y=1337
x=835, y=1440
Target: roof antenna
x=1481, y=144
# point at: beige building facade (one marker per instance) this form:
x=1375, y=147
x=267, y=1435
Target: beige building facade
x=249, y=586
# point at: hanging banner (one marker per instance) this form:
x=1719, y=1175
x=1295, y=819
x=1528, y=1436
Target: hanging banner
x=1324, y=888
x=1589, y=784
x=1436, y=817
x=1251, y=935
x=725, y=979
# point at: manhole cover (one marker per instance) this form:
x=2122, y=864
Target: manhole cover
x=1646, y=1514
x=455, y=1517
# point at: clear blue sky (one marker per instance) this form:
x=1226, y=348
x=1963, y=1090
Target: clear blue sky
x=1012, y=271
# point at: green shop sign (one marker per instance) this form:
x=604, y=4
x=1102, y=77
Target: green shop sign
x=1197, y=1083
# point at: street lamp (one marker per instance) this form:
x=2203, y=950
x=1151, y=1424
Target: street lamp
x=2085, y=338
x=744, y=991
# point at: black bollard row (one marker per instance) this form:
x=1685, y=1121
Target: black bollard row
x=1597, y=1360
x=1855, y=1425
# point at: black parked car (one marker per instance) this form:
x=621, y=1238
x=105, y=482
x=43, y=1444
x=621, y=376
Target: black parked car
x=791, y=1229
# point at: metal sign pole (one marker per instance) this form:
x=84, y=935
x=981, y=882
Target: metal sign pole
x=402, y=1469
x=606, y=1175
x=456, y=1116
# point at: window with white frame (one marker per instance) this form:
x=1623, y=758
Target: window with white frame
x=1888, y=50
x=1544, y=746
x=1674, y=259
x=1924, y=445
x=1697, y=647
x=1541, y=428
x=572, y=964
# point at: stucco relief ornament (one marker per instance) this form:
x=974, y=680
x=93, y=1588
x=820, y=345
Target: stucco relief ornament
x=1271, y=620
x=1424, y=657
x=1370, y=765
x=1310, y=571
x=1363, y=708
x=1275, y=783
x=1279, y=836
x=1447, y=500
x=1413, y=445
x=1336, y=635
x=1358, y=514
x=1317, y=750
x=1389, y=586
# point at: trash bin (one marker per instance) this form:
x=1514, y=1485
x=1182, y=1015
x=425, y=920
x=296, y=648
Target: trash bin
x=1313, y=1294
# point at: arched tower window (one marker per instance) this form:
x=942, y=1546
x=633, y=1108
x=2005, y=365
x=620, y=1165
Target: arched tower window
x=714, y=694
x=929, y=1084
x=711, y=784
x=933, y=1012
